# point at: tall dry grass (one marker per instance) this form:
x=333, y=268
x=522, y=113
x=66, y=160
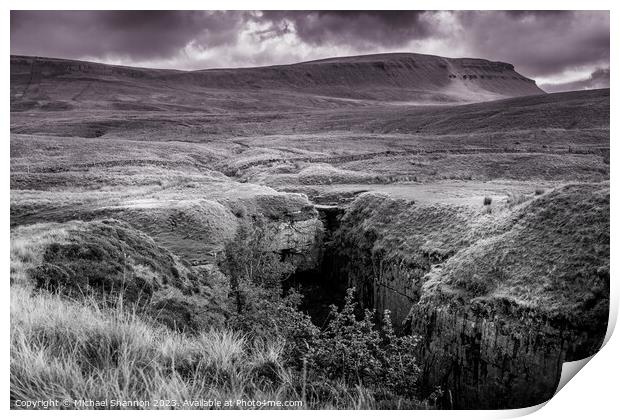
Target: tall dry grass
x=63, y=349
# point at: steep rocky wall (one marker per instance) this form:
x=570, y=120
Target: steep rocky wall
x=380, y=284
x=488, y=363
x=490, y=360
x=384, y=247
x=500, y=302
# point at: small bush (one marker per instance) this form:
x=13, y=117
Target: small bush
x=539, y=191
x=258, y=307
x=249, y=259
x=356, y=352
x=487, y=201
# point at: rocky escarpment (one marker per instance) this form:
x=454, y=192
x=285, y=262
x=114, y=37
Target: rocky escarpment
x=294, y=224
x=382, y=76
x=500, y=301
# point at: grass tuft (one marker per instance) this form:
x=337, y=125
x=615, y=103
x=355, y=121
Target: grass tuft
x=67, y=349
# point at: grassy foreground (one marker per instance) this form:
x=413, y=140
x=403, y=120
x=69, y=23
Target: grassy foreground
x=84, y=350
x=70, y=350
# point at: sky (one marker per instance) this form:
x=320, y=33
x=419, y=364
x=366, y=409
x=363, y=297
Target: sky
x=561, y=50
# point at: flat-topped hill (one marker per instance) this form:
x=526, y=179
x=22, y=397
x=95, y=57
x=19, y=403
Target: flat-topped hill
x=343, y=81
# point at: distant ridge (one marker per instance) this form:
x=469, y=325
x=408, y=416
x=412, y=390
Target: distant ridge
x=395, y=77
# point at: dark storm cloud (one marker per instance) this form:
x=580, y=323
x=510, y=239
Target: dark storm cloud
x=544, y=45
x=539, y=43
x=357, y=28
x=131, y=34
x=597, y=80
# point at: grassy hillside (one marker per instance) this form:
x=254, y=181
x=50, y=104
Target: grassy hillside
x=108, y=260
x=551, y=256
x=547, y=252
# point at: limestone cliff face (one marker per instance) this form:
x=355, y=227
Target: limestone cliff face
x=380, y=284
x=487, y=359
x=489, y=363
x=299, y=241
x=501, y=302
x=384, y=247
x=293, y=224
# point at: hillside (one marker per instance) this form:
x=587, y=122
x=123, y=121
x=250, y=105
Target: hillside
x=58, y=84
x=109, y=260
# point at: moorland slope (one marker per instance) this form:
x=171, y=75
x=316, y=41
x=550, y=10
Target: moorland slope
x=57, y=84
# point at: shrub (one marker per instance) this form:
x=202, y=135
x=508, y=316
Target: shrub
x=487, y=201
x=248, y=258
x=265, y=317
x=259, y=309
x=539, y=191
x=356, y=352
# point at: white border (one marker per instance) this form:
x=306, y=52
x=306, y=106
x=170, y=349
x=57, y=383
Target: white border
x=592, y=394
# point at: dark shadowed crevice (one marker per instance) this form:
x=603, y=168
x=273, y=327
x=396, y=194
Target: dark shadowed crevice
x=320, y=285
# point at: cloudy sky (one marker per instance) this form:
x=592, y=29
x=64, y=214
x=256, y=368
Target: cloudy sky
x=561, y=50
